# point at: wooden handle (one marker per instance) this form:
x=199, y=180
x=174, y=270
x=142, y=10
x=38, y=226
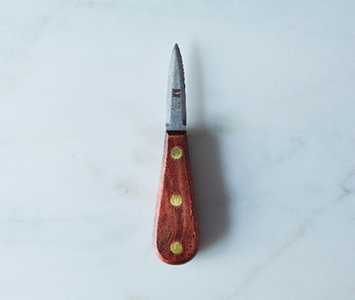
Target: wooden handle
x=175, y=237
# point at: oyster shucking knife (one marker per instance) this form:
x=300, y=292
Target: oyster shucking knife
x=175, y=236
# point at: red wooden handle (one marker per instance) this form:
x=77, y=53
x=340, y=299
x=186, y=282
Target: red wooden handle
x=176, y=236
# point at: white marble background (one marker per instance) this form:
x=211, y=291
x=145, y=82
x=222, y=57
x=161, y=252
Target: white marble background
x=271, y=104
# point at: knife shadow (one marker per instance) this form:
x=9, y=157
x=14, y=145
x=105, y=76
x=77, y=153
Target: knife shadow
x=212, y=202
x=210, y=194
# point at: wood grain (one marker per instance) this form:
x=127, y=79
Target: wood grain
x=175, y=223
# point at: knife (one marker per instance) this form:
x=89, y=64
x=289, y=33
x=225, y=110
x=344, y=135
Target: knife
x=175, y=234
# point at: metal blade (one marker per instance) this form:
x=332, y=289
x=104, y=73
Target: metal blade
x=176, y=97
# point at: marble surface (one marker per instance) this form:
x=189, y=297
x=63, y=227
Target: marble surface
x=270, y=91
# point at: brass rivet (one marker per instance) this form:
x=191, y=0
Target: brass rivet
x=176, y=247
x=176, y=152
x=176, y=200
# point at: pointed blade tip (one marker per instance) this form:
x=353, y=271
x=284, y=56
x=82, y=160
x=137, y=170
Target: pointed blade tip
x=176, y=49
